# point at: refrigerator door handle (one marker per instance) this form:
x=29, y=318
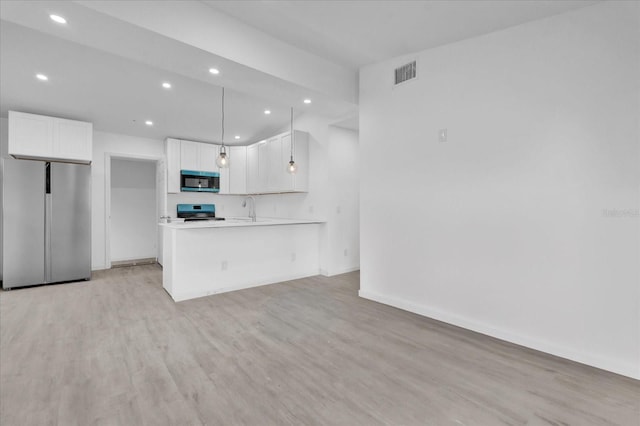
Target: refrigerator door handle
x=47, y=238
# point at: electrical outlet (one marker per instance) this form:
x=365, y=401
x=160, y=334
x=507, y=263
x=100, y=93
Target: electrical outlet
x=224, y=265
x=346, y=252
x=293, y=257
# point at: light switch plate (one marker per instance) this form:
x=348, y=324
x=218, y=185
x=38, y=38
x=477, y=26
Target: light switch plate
x=442, y=135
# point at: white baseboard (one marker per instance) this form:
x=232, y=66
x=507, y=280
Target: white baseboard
x=339, y=271
x=614, y=366
x=344, y=270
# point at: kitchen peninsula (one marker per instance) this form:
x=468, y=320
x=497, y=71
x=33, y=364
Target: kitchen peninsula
x=208, y=257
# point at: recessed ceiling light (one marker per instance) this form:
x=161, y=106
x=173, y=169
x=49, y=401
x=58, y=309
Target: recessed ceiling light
x=214, y=71
x=307, y=101
x=42, y=77
x=57, y=18
x=266, y=111
x=237, y=137
x=149, y=123
x=166, y=85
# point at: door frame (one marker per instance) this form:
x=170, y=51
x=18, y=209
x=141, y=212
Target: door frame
x=160, y=194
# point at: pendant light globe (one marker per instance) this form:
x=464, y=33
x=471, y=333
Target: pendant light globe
x=292, y=167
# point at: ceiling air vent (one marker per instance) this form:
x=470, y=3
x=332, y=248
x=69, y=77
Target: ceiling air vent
x=406, y=72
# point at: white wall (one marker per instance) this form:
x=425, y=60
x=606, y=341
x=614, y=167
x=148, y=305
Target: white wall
x=344, y=201
x=4, y=146
x=134, y=212
x=104, y=145
x=501, y=229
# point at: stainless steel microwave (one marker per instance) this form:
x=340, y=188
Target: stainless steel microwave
x=195, y=181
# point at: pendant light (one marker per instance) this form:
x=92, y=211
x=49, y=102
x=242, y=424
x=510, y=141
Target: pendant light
x=223, y=159
x=292, y=167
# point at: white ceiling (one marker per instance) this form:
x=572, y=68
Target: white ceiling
x=118, y=95
x=360, y=32
x=107, y=65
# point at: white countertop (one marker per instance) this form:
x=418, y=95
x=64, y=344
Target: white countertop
x=231, y=222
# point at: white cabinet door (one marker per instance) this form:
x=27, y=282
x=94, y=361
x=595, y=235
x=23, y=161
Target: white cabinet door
x=172, y=151
x=30, y=135
x=301, y=157
x=72, y=140
x=238, y=170
x=263, y=166
x=198, y=156
x=253, y=164
x=188, y=155
x=207, y=154
x=275, y=173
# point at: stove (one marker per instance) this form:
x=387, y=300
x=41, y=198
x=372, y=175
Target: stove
x=190, y=212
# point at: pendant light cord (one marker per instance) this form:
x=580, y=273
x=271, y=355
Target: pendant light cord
x=223, y=117
x=291, y=136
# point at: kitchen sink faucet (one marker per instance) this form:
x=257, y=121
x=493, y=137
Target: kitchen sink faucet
x=252, y=207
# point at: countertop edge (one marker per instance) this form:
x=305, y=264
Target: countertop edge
x=240, y=224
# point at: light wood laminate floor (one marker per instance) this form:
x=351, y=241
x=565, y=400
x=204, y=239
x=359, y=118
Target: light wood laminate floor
x=118, y=351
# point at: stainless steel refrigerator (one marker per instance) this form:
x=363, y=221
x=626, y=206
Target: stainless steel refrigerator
x=46, y=222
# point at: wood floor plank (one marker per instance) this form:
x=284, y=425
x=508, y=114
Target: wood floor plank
x=118, y=351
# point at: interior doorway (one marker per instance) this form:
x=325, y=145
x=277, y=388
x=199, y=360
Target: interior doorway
x=133, y=212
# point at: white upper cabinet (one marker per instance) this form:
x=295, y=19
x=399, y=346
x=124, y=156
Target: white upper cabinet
x=72, y=140
x=207, y=154
x=189, y=155
x=252, y=168
x=49, y=138
x=30, y=135
x=267, y=165
x=260, y=168
x=237, y=170
x=263, y=167
x=274, y=173
x=198, y=156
